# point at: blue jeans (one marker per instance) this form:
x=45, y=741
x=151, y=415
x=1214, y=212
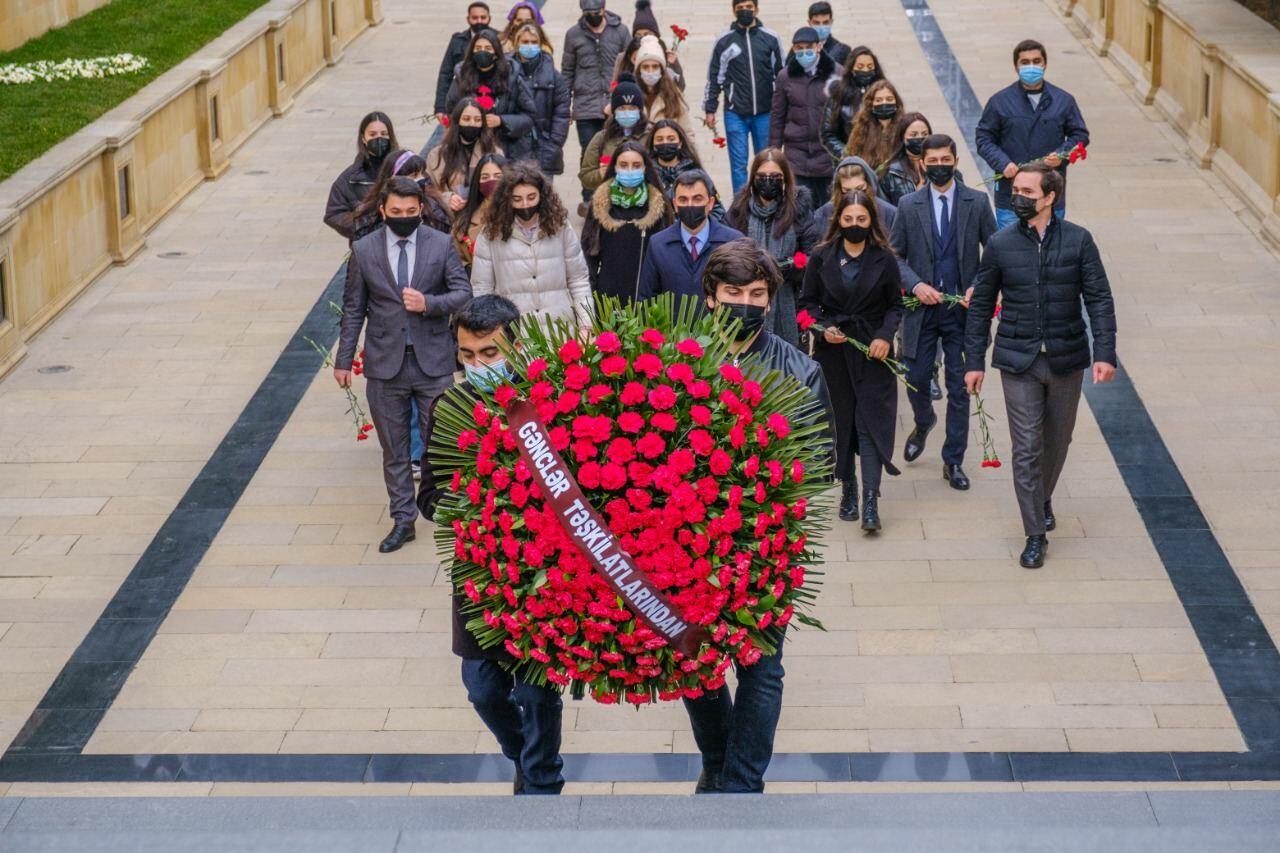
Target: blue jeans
x=1006, y=216
x=736, y=129
x=523, y=717
x=416, y=446
x=735, y=734
x=945, y=324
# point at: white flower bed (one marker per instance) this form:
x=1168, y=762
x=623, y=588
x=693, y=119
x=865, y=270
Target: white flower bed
x=70, y=69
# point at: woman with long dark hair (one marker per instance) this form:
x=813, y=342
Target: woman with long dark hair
x=374, y=140
x=853, y=289
x=672, y=153
x=467, y=140
x=401, y=164
x=486, y=75
x=905, y=173
x=550, y=97
x=874, y=137
x=777, y=213
x=860, y=71
x=662, y=96
x=625, y=212
x=528, y=253
x=472, y=219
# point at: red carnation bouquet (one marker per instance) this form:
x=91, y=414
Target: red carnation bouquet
x=634, y=514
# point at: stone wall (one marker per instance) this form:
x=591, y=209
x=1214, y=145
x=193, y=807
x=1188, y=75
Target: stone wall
x=1212, y=68
x=23, y=20
x=89, y=202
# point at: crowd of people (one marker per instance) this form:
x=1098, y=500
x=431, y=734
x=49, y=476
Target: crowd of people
x=846, y=210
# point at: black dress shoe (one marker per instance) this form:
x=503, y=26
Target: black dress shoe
x=399, y=535
x=1050, y=521
x=915, y=441
x=870, y=511
x=935, y=390
x=955, y=475
x=517, y=787
x=1033, y=555
x=849, y=501
x=708, y=782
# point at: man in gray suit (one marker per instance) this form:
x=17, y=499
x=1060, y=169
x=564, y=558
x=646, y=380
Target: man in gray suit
x=940, y=231
x=406, y=280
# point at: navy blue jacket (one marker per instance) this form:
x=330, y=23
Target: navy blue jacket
x=1010, y=131
x=667, y=268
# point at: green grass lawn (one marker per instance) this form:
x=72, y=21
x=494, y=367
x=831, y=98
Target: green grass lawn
x=36, y=116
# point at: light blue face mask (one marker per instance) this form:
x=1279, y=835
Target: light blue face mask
x=1031, y=74
x=627, y=118
x=529, y=51
x=806, y=58
x=823, y=30
x=629, y=178
x=487, y=377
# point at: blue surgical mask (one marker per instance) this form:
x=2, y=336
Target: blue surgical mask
x=806, y=58
x=629, y=178
x=823, y=31
x=487, y=377
x=627, y=118
x=1031, y=74
x=529, y=51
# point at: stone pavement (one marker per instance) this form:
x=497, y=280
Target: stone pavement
x=296, y=636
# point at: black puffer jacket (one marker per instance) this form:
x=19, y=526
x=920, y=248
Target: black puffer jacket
x=1041, y=285
x=551, y=113
x=516, y=108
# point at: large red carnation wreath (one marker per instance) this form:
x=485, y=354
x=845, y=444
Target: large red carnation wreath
x=702, y=470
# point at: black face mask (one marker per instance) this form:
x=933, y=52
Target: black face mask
x=752, y=317
x=884, y=110
x=692, y=216
x=915, y=147
x=745, y=17
x=469, y=134
x=483, y=59
x=667, y=150
x=524, y=214
x=863, y=79
x=768, y=187
x=403, y=226
x=593, y=19
x=477, y=28
x=940, y=176
x=855, y=233
x=1024, y=207
x=377, y=147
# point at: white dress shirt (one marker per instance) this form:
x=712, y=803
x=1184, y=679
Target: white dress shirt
x=936, y=197
x=393, y=252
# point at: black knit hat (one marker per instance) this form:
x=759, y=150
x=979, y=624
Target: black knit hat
x=626, y=93
x=645, y=19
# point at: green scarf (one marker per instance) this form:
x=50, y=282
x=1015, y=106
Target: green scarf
x=624, y=198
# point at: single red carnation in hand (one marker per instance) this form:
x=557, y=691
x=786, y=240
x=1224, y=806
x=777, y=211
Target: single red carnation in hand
x=605, y=160
x=805, y=320
x=719, y=142
x=485, y=103
x=800, y=260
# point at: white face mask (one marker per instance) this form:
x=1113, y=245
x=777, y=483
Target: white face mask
x=651, y=78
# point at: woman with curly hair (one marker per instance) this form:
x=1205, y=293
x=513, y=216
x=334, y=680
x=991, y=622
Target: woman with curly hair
x=874, y=135
x=626, y=210
x=777, y=213
x=472, y=219
x=528, y=253
x=487, y=75
x=861, y=70
x=466, y=142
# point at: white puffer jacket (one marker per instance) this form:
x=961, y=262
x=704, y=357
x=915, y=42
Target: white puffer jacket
x=547, y=277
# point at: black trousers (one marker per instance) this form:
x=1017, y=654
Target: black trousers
x=943, y=324
x=819, y=189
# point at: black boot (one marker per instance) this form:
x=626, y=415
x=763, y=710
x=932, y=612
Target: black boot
x=870, y=511
x=849, y=501
x=1033, y=555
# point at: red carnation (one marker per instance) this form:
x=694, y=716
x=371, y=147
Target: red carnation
x=648, y=365
x=719, y=142
x=778, y=425
x=805, y=320
x=721, y=463
x=690, y=347
x=730, y=373
x=444, y=120
x=614, y=365
x=700, y=415
x=653, y=338
x=633, y=394
x=504, y=395
x=608, y=342
x=630, y=422
x=662, y=398
x=800, y=260
x=596, y=393
x=570, y=351
x=664, y=421
x=485, y=103
x=701, y=442
x=651, y=445
x=537, y=367
x=605, y=160
x=576, y=376
x=613, y=476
